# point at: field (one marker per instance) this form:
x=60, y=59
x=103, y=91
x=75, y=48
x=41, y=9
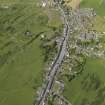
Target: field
x=88, y=87
x=73, y=3
x=98, y=5
x=99, y=24
x=21, y=58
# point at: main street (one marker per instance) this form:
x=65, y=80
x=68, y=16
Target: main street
x=57, y=62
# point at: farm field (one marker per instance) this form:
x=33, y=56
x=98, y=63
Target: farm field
x=21, y=56
x=73, y=3
x=98, y=5
x=89, y=86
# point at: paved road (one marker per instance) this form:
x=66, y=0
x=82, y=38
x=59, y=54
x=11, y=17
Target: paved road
x=56, y=63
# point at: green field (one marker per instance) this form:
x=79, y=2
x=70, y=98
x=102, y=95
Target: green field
x=98, y=5
x=88, y=88
x=22, y=22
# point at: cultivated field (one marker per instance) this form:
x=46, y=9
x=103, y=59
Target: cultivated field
x=88, y=87
x=21, y=56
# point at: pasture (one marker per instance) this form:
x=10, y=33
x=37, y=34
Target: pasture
x=89, y=86
x=98, y=5
x=22, y=22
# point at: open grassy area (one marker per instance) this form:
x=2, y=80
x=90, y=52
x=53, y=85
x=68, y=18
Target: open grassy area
x=19, y=77
x=22, y=22
x=99, y=24
x=89, y=87
x=73, y=3
x=98, y=5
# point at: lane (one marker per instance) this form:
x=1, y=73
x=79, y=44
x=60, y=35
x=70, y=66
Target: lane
x=64, y=100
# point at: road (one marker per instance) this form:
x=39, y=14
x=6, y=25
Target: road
x=57, y=62
x=61, y=98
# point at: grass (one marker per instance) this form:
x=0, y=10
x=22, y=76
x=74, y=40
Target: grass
x=96, y=4
x=75, y=3
x=98, y=24
x=21, y=57
x=19, y=76
x=82, y=90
